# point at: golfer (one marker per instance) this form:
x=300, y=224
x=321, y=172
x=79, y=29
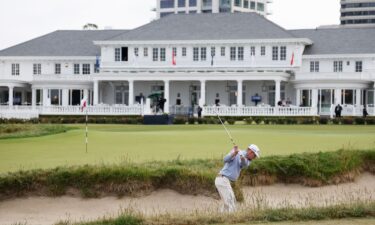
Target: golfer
x=235, y=161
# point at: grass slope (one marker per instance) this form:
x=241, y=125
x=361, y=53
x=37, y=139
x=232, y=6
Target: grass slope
x=119, y=143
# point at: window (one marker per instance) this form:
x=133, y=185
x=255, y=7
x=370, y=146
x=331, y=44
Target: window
x=155, y=54
x=246, y=4
x=203, y=54
x=162, y=54
x=252, y=5
x=237, y=3
x=195, y=54
x=314, y=66
x=57, y=68
x=117, y=54
x=337, y=66
x=37, y=69
x=174, y=51
x=76, y=69
x=275, y=53
x=283, y=53
x=263, y=50
x=184, y=51
x=240, y=53
x=260, y=7
x=232, y=53
x=213, y=51
x=136, y=51
x=192, y=3
x=166, y=4
x=124, y=54
x=145, y=52
x=15, y=69
x=222, y=51
x=358, y=66
x=86, y=69
x=252, y=50
x=181, y=3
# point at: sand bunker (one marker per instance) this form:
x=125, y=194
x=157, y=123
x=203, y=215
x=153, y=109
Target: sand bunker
x=47, y=211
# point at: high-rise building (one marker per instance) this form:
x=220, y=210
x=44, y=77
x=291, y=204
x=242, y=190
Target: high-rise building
x=357, y=12
x=166, y=7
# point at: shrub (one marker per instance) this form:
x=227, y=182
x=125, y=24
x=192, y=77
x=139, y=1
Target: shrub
x=231, y=121
x=191, y=120
x=179, y=120
x=249, y=120
x=359, y=120
x=348, y=121
x=323, y=120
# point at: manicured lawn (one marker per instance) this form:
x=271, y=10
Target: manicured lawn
x=121, y=143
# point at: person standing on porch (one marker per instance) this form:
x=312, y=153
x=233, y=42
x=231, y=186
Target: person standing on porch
x=235, y=161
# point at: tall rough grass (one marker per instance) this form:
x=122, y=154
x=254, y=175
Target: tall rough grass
x=186, y=177
x=358, y=210
x=30, y=130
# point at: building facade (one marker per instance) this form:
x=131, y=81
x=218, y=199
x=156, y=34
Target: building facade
x=232, y=64
x=167, y=7
x=357, y=12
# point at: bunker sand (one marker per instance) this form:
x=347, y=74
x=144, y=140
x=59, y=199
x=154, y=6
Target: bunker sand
x=47, y=211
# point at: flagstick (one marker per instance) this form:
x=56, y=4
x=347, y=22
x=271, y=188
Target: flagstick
x=86, y=130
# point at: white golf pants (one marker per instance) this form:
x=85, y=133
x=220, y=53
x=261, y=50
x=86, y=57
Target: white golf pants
x=226, y=193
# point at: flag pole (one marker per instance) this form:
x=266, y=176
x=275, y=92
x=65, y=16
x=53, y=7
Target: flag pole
x=86, y=130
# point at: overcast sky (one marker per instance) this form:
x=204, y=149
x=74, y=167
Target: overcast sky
x=22, y=20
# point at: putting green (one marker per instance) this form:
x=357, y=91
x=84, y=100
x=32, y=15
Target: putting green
x=136, y=143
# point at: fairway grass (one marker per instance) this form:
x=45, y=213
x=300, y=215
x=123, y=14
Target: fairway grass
x=137, y=143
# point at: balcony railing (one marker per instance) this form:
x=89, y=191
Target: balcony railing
x=259, y=111
x=30, y=112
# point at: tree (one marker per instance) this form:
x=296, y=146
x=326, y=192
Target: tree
x=90, y=26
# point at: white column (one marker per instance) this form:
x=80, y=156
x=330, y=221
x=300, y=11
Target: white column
x=23, y=96
x=131, y=92
x=86, y=94
x=298, y=97
x=10, y=95
x=65, y=97
x=45, y=97
x=215, y=6
x=239, y=92
x=358, y=97
x=199, y=6
x=96, y=92
x=277, y=91
x=314, y=100
x=337, y=97
x=166, y=96
x=33, y=97
x=202, y=100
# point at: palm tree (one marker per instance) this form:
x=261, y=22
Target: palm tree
x=90, y=26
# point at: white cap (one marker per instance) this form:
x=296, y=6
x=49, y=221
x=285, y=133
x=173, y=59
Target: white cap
x=255, y=149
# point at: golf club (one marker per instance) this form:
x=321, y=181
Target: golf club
x=230, y=136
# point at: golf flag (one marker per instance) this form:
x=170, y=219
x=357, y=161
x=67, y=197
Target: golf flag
x=292, y=60
x=83, y=104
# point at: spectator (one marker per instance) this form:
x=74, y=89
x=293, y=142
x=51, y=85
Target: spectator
x=365, y=113
x=338, y=110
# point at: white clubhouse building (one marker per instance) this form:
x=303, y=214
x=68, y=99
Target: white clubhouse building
x=240, y=61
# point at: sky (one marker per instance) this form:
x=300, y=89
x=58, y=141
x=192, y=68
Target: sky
x=22, y=20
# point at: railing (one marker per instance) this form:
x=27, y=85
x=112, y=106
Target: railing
x=353, y=110
x=259, y=111
x=183, y=110
x=91, y=110
x=18, y=112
